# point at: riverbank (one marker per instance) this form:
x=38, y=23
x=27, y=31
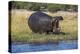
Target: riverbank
x=41, y=38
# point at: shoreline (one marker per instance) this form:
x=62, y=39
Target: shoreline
x=39, y=43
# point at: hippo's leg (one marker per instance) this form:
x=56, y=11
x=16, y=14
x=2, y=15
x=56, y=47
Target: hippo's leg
x=47, y=32
x=40, y=31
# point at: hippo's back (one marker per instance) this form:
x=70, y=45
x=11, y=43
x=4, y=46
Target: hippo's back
x=39, y=21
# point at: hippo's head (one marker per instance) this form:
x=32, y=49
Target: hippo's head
x=55, y=23
x=57, y=18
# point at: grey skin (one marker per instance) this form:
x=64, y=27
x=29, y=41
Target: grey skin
x=40, y=22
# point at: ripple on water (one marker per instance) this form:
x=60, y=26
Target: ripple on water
x=62, y=45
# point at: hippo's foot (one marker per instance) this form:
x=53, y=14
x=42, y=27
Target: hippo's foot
x=59, y=33
x=56, y=32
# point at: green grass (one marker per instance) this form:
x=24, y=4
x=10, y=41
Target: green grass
x=20, y=32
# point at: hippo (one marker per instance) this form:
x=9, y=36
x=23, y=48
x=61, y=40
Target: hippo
x=40, y=22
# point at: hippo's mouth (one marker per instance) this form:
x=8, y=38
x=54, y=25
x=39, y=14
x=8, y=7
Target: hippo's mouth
x=57, y=30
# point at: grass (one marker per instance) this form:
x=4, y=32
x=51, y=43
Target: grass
x=20, y=32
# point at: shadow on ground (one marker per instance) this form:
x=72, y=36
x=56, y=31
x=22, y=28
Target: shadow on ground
x=63, y=33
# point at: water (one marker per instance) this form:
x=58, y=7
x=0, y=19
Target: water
x=62, y=45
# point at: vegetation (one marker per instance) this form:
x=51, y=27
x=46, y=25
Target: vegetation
x=42, y=6
x=20, y=32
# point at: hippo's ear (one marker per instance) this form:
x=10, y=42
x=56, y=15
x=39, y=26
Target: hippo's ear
x=61, y=18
